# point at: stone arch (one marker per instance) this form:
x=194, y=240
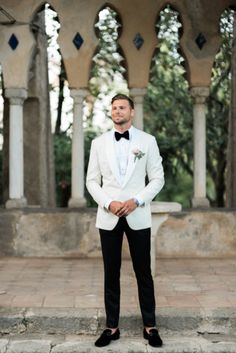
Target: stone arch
x=77, y=22
x=35, y=26
x=200, y=40
x=138, y=40
x=22, y=48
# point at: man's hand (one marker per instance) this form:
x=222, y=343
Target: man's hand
x=126, y=208
x=115, y=207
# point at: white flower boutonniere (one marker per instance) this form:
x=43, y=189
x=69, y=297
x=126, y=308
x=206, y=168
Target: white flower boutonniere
x=137, y=154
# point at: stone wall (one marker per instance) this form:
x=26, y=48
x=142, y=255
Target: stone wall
x=198, y=233
x=65, y=232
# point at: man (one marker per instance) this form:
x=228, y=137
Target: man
x=120, y=161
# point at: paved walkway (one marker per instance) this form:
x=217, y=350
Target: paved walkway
x=52, y=306
x=78, y=283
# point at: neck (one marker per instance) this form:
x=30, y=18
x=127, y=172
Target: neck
x=122, y=128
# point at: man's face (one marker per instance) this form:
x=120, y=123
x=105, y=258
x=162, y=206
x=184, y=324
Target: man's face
x=121, y=112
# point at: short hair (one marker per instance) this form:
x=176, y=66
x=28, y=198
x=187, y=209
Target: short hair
x=123, y=96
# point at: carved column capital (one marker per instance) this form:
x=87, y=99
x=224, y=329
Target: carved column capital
x=78, y=94
x=138, y=94
x=199, y=94
x=16, y=95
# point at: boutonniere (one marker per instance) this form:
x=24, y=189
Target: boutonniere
x=137, y=154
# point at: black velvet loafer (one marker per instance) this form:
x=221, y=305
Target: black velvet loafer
x=153, y=337
x=106, y=337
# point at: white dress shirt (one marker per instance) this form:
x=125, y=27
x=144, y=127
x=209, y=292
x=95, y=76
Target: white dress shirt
x=122, y=148
x=122, y=154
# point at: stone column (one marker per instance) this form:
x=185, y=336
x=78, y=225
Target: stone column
x=77, y=188
x=199, y=95
x=16, y=160
x=38, y=138
x=138, y=95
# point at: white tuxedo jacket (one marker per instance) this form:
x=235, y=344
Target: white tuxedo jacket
x=103, y=178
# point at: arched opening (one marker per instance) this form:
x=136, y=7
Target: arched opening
x=106, y=79
x=108, y=70
x=168, y=109
x=61, y=108
x=46, y=114
x=37, y=142
x=218, y=113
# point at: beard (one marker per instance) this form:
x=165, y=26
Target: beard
x=121, y=121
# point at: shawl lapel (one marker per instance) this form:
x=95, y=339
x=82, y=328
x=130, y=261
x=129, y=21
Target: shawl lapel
x=132, y=162
x=111, y=155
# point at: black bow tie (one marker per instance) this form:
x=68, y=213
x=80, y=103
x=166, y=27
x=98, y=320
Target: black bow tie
x=118, y=136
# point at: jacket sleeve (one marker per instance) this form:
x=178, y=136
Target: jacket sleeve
x=94, y=178
x=155, y=173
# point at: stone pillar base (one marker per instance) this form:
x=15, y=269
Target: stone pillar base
x=200, y=202
x=16, y=203
x=77, y=203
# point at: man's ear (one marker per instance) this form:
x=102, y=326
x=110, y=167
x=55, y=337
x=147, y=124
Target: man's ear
x=132, y=113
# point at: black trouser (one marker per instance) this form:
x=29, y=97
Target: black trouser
x=139, y=245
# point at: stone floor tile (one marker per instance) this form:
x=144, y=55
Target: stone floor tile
x=187, y=288
x=6, y=300
x=89, y=301
x=232, y=300
x=59, y=301
x=27, y=301
x=60, y=280
x=182, y=301
x=210, y=301
x=161, y=301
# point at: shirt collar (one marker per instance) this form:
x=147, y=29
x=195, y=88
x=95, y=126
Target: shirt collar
x=130, y=132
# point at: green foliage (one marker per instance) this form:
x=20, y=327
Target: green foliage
x=168, y=112
x=107, y=70
x=90, y=133
x=218, y=113
x=62, y=149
